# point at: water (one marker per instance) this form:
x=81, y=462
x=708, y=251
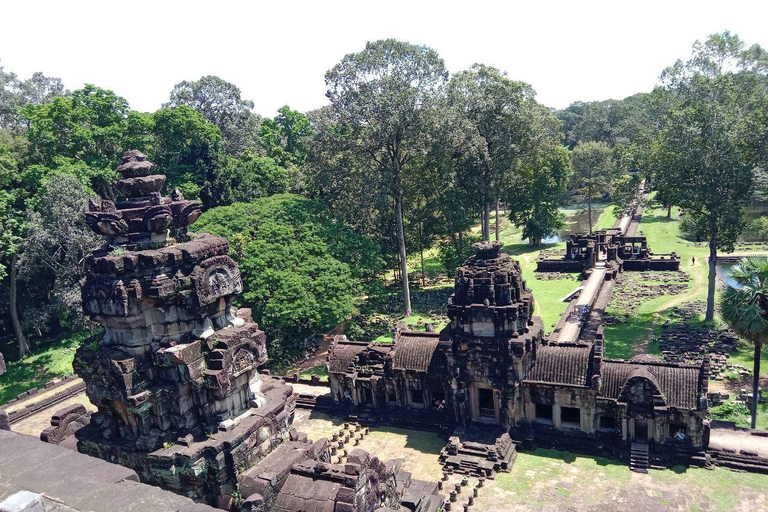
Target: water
x=576, y=222
x=724, y=272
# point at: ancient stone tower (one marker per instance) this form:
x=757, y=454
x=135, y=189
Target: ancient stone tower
x=175, y=374
x=494, y=335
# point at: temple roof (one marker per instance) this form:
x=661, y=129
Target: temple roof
x=679, y=384
x=561, y=364
x=415, y=350
x=343, y=354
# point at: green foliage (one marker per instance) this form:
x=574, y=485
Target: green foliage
x=286, y=138
x=185, y=147
x=302, y=271
x=694, y=227
x=245, y=178
x=454, y=252
x=220, y=103
x=730, y=411
x=51, y=357
x=536, y=194
x=757, y=229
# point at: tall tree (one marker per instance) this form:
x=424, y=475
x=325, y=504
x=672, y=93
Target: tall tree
x=287, y=137
x=704, y=167
x=593, y=170
x=536, y=193
x=222, y=104
x=506, y=120
x=16, y=93
x=382, y=97
x=745, y=309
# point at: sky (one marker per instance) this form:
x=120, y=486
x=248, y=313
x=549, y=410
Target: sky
x=277, y=52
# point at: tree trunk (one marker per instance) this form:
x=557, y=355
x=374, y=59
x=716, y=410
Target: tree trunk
x=589, y=208
x=497, y=220
x=403, y=256
x=669, y=211
x=756, y=384
x=486, y=222
x=421, y=247
x=712, y=274
x=23, y=344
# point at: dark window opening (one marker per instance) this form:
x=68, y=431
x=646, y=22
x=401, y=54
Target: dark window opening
x=544, y=412
x=485, y=402
x=570, y=415
x=607, y=423
x=417, y=397
x=366, y=396
x=391, y=397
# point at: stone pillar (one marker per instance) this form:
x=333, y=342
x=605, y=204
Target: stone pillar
x=556, y=421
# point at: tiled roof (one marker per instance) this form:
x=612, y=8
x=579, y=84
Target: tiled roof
x=342, y=355
x=678, y=384
x=415, y=350
x=559, y=364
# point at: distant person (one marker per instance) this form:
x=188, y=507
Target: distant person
x=693, y=260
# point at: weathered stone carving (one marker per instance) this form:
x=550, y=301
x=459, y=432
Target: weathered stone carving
x=177, y=367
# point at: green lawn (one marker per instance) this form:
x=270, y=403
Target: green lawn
x=319, y=370
x=50, y=358
x=555, y=480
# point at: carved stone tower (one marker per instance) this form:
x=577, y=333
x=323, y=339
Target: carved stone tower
x=494, y=335
x=175, y=375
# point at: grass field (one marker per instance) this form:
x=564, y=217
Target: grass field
x=555, y=480
x=50, y=358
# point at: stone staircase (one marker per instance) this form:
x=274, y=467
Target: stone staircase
x=639, y=460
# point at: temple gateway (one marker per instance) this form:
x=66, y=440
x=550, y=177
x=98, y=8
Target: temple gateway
x=490, y=370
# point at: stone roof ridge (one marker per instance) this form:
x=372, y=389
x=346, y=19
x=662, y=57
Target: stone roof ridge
x=668, y=364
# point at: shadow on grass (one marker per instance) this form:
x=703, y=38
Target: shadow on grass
x=423, y=441
x=570, y=457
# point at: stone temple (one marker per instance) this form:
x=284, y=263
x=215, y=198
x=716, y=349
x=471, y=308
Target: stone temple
x=175, y=375
x=492, y=376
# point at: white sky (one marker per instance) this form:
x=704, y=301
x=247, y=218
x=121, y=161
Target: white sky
x=278, y=52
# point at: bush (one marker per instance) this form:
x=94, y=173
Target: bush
x=757, y=230
x=693, y=227
x=730, y=411
x=303, y=272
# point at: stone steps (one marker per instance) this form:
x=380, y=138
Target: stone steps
x=639, y=459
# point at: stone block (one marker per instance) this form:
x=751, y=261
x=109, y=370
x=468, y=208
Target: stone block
x=23, y=501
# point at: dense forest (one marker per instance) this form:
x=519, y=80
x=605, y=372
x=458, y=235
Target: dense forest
x=320, y=206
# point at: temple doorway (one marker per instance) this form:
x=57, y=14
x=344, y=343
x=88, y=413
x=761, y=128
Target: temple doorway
x=485, y=404
x=366, y=396
x=641, y=430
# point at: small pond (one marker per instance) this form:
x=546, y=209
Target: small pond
x=576, y=221
x=724, y=273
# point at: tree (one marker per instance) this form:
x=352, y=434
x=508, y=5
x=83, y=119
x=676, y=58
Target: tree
x=382, y=99
x=89, y=127
x=15, y=94
x=704, y=166
x=55, y=246
x=302, y=271
x=593, y=169
x=745, y=309
x=534, y=197
x=286, y=138
x=249, y=177
x=507, y=123
x=221, y=104
x=186, y=149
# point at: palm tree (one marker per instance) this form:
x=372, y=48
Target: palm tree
x=745, y=309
